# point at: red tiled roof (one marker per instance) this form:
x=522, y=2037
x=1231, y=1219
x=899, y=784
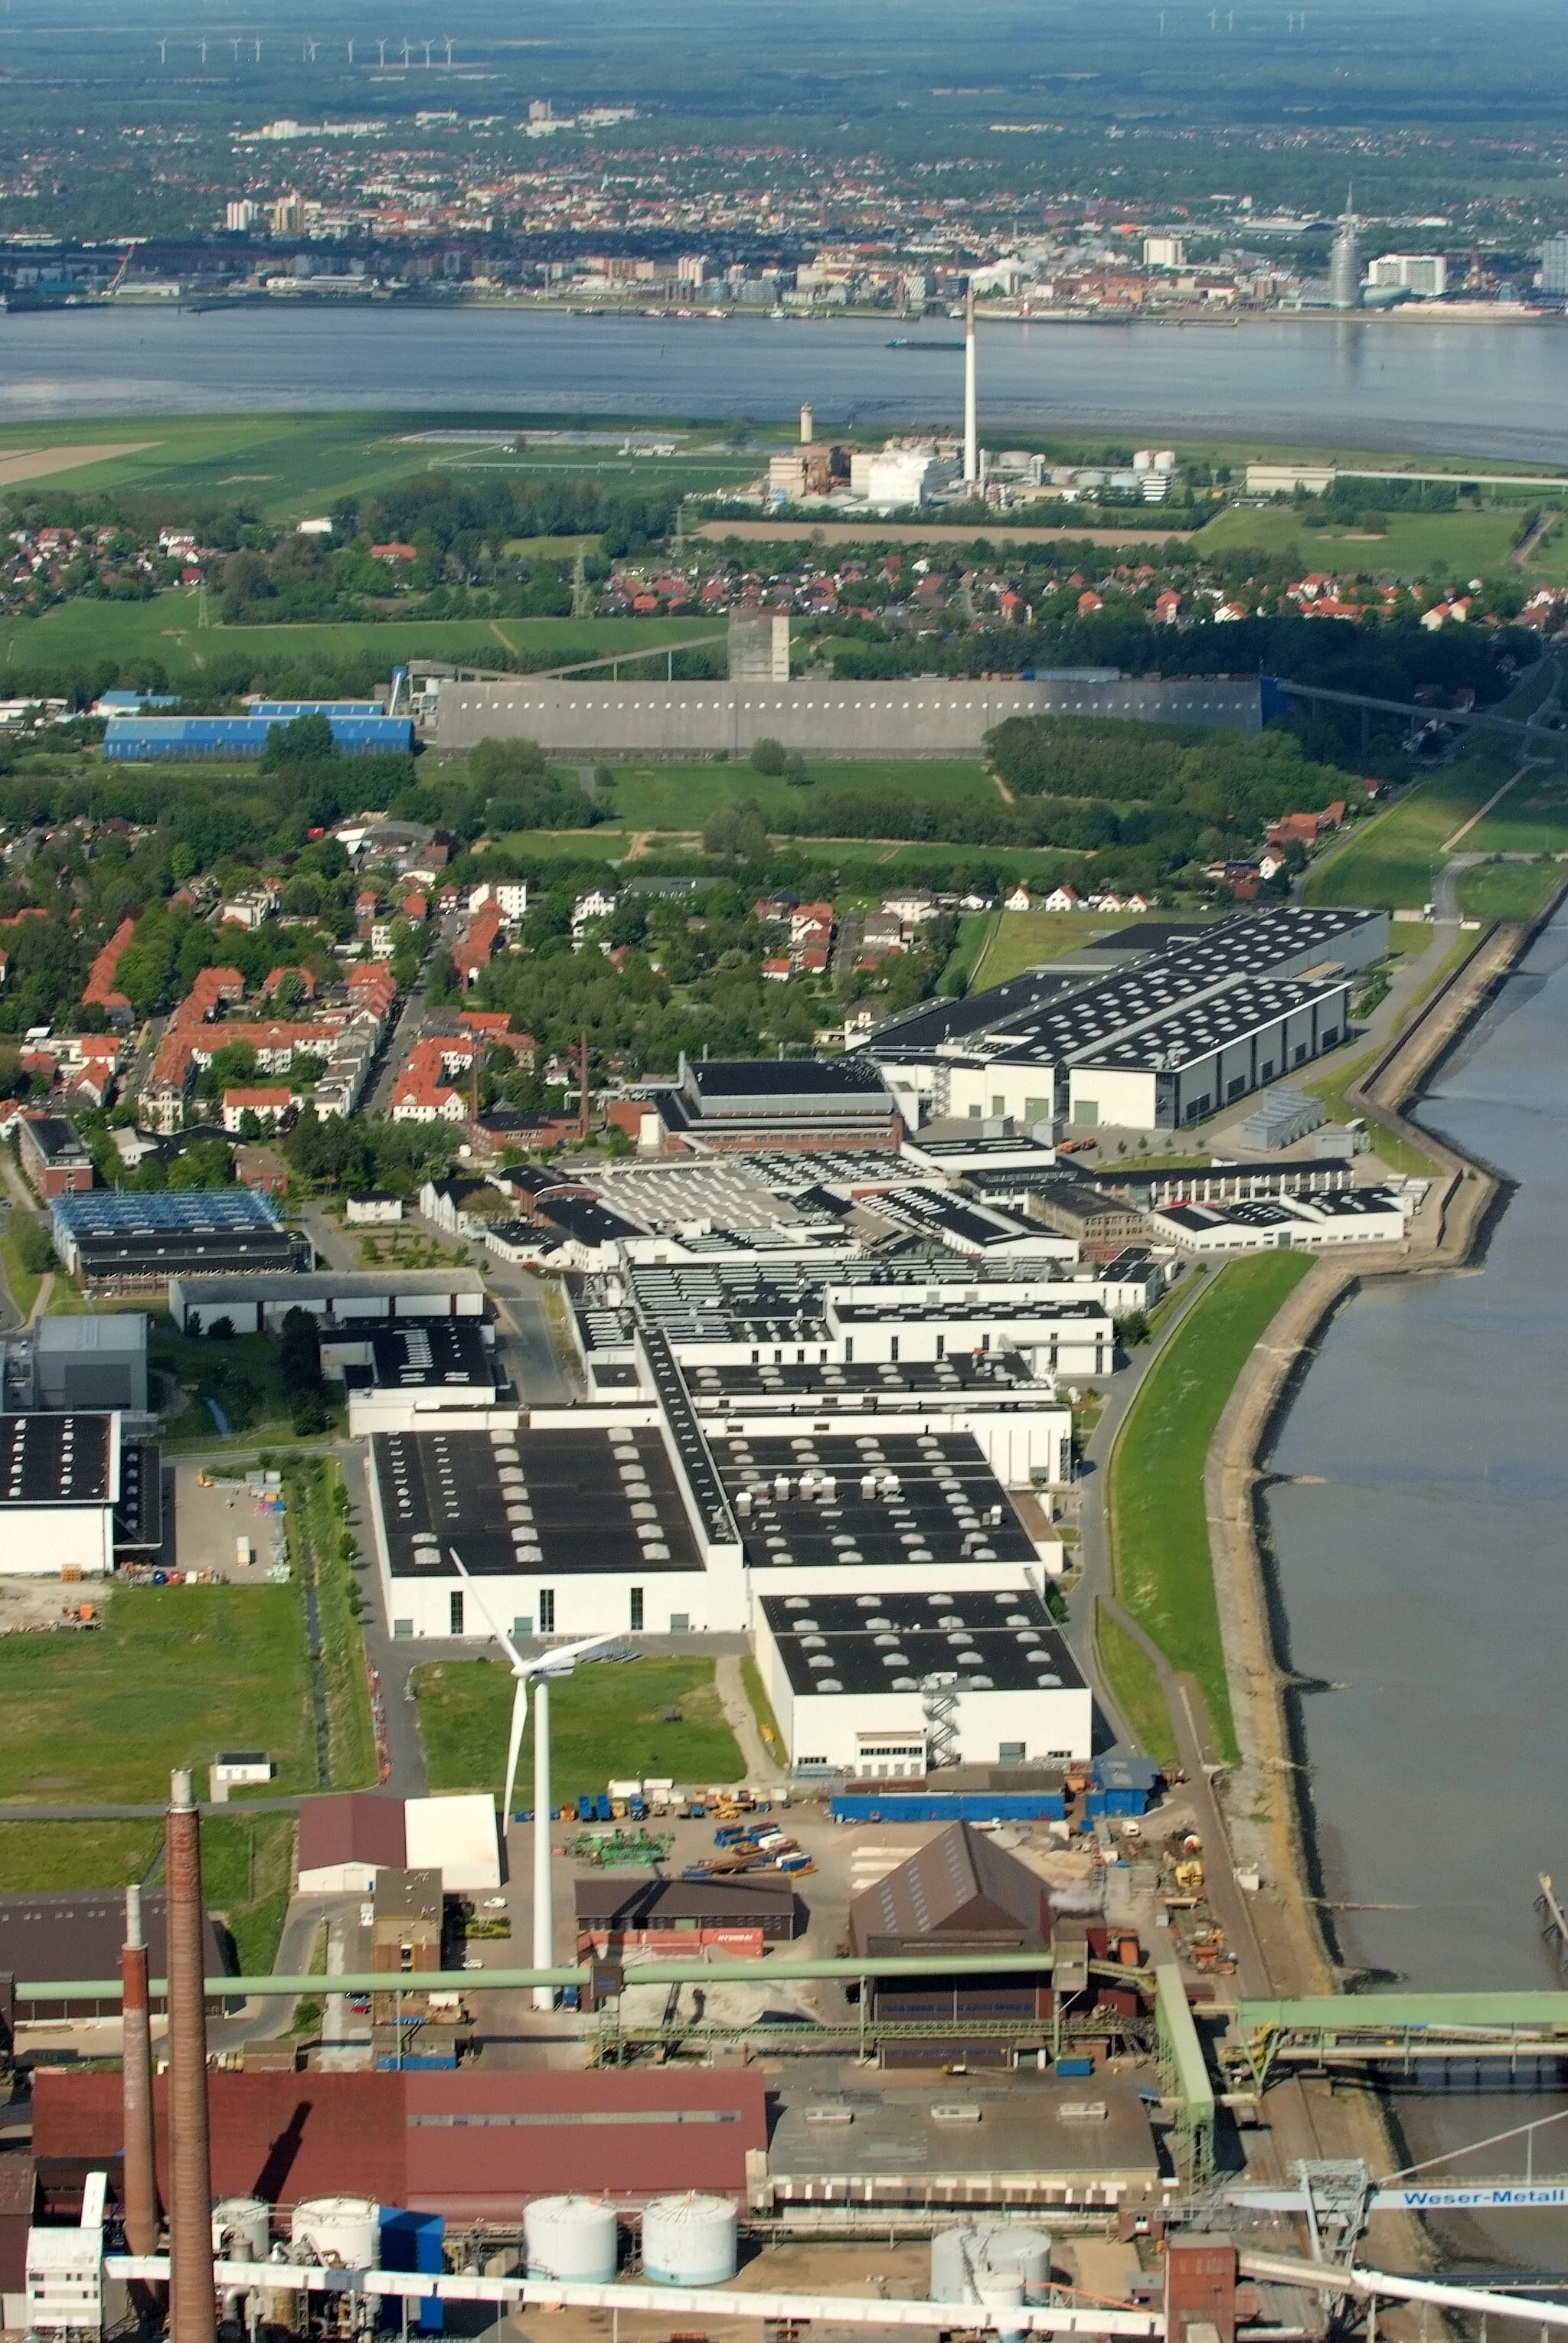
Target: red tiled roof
x=98, y=988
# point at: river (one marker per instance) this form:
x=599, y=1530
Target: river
x=1419, y=1549
x=1392, y=384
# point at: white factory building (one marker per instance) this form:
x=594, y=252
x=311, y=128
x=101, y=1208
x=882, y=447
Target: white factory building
x=883, y=1686
x=60, y=1483
x=1157, y=1041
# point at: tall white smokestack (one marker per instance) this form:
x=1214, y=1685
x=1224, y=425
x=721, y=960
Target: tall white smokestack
x=806, y=425
x=971, y=435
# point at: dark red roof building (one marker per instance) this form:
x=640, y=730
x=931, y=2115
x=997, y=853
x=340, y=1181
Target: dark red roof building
x=469, y=2145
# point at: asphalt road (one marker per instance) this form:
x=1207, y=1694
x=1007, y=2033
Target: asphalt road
x=391, y=1660
x=410, y=1017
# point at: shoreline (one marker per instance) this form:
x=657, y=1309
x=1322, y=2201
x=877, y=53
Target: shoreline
x=1267, y=1813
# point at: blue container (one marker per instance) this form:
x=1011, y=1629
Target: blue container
x=412, y=2241
x=1074, y=2069
x=950, y=1807
x=601, y=1812
x=585, y=1810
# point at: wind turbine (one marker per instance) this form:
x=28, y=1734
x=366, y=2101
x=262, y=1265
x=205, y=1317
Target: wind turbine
x=558, y=1661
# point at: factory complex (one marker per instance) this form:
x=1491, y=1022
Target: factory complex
x=937, y=1967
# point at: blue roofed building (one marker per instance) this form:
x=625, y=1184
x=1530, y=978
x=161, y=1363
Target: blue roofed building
x=140, y=739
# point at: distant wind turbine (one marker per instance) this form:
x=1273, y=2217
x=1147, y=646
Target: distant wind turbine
x=558, y=1661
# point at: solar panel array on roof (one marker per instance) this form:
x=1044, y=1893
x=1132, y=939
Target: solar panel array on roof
x=113, y=1211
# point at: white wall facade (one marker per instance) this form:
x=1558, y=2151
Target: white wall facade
x=1124, y=1097
x=832, y=1729
x=40, y=1541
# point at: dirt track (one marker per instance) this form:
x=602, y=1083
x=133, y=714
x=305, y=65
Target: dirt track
x=38, y=463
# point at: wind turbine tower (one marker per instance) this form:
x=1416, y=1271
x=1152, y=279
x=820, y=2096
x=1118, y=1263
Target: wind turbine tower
x=971, y=439
x=558, y=1661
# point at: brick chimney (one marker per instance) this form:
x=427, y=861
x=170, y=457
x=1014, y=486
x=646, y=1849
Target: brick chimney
x=139, y=2185
x=192, y=2307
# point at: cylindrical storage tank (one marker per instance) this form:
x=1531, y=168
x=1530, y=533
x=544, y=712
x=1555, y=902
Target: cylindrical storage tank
x=973, y=2263
x=342, y=2232
x=955, y=2260
x=1023, y=2254
x=688, y=2240
x=574, y=2239
x=241, y=2220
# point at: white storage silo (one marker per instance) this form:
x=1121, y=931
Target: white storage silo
x=574, y=2239
x=343, y=2232
x=990, y=2264
x=953, y=2265
x=689, y=2240
x=241, y=2230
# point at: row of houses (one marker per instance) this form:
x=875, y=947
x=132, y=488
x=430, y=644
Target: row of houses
x=346, y=1037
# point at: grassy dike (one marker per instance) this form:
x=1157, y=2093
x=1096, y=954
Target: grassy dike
x=1160, y=1559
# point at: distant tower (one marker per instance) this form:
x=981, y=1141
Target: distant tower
x=1345, y=261
x=971, y=438
x=805, y=426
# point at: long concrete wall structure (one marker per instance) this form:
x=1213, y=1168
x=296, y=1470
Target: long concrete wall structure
x=931, y=716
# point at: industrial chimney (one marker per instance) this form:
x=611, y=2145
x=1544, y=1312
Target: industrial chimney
x=192, y=2308
x=971, y=438
x=806, y=425
x=138, y=2184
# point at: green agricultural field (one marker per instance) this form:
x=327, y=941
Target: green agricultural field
x=1414, y=545
x=1133, y=1679
x=1390, y=860
x=174, y=1675
x=1532, y=819
x=293, y=466
x=603, y=845
x=1507, y=890
x=77, y=634
x=246, y=1864
x=1164, y=1576
x=605, y=1720
x=247, y=1868
x=680, y=797
x=54, y=1858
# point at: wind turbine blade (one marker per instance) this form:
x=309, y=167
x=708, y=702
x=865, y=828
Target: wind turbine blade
x=489, y=1616
x=515, y=1746
x=563, y=1655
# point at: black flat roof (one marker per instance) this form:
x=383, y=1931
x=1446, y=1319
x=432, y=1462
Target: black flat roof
x=54, y=1460
x=431, y=1353
x=531, y=1503
x=54, y=1137
x=939, y=1515
x=139, y=1507
x=762, y=1078
x=1000, y=1641
x=712, y=1386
